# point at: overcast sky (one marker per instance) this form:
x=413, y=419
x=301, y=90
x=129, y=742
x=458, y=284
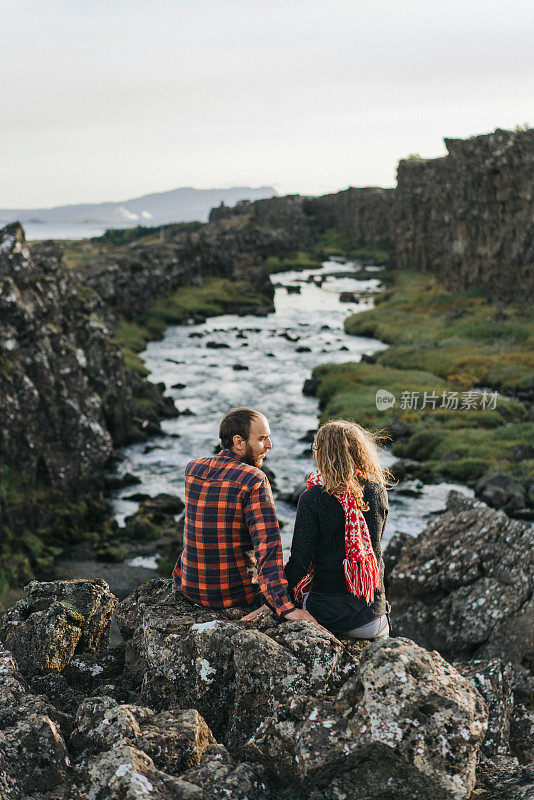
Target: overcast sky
x=111, y=99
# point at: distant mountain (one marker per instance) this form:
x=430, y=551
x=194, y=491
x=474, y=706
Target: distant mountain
x=179, y=205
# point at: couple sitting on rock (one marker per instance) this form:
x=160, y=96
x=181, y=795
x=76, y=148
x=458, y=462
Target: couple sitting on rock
x=232, y=554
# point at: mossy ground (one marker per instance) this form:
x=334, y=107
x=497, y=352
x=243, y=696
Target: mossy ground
x=441, y=342
x=292, y=261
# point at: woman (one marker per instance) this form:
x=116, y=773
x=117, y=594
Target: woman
x=336, y=568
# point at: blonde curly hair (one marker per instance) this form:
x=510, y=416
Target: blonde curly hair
x=341, y=447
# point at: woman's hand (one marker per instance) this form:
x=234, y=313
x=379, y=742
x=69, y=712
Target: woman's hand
x=255, y=614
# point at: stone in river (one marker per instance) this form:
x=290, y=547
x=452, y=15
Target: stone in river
x=310, y=387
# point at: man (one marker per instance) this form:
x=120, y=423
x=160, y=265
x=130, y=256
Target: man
x=232, y=552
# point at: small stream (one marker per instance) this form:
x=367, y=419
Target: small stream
x=262, y=363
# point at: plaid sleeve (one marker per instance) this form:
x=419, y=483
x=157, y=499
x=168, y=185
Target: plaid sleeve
x=260, y=516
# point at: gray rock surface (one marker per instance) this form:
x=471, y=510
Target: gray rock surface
x=293, y=697
x=222, y=777
x=126, y=773
x=465, y=585
x=297, y=712
x=407, y=725
x=175, y=740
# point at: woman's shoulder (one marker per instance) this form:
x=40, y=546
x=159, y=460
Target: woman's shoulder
x=312, y=493
x=316, y=497
x=374, y=492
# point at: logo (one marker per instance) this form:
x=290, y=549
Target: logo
x=384, y=399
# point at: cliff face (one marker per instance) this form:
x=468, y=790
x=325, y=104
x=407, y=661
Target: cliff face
x=365, y=215
x=469, y=217
x=60, y=376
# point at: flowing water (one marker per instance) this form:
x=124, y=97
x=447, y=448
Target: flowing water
x=262, y=363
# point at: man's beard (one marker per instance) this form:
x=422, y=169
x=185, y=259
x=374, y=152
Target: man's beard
x=249, y=458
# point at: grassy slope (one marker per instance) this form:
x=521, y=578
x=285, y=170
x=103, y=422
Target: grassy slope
x=440, y=341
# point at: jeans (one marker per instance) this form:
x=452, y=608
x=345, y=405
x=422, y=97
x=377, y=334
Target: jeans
x=377, y=629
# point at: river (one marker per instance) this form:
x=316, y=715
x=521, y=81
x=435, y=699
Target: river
x=263, y=363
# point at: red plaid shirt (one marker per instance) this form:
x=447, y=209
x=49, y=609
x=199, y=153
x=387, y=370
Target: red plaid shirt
x=232, y=550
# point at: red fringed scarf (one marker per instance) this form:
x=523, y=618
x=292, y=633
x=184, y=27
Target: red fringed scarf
x=361, y=570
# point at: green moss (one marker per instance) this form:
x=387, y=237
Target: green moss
x=333, y=242
x=374, y=255
x=130, y=335
x=453, y=335
x=133, y=361
x=29, y=549
x=292, y=261
x=452, y=443
x=112, y=552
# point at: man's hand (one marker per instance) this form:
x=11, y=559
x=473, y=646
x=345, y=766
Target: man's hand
x=300, y=613
x=254, y=614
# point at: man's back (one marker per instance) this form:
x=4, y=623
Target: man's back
x=232, y=551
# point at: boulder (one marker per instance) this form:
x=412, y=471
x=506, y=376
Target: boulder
x=298, y=700
x=406, y=725
x=232, y=673
x=522, y=733
x=222, y=777
x=88, y=671
x=404, y=467
x=493, y=679
x=500, y=491
x=310, y=387
x=126, y=773
x=174, y=740
x=59, y=618
x=58, y=691
x=504, y=780
x=464, y=585
x=162, y=505
x=33, y=757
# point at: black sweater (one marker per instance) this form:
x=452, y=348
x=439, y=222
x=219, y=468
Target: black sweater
x=320, y=537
